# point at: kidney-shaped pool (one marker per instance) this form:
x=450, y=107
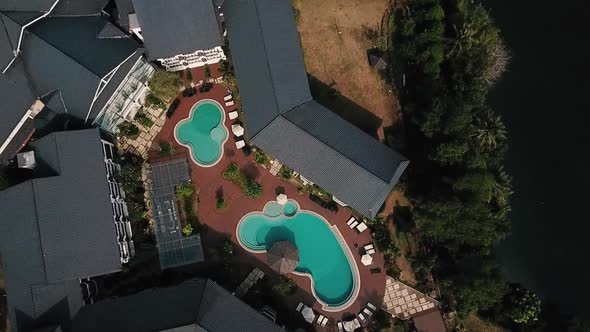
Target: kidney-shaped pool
x=329, y=264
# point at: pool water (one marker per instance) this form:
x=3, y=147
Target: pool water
x=203, y=132
x=320, y=253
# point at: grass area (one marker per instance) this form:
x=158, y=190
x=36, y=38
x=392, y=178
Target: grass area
x=474, y=323
x=335, y=35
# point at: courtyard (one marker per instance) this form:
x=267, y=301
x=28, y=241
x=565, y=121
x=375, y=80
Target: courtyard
x=221, y=223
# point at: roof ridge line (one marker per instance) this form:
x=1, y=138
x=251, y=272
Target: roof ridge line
x=62, y=52
x=346, y=157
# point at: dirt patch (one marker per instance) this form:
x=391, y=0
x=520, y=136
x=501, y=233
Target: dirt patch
x=335, y=35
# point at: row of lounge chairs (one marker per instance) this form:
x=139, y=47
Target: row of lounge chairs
x=228, y=99
x=359, y=225
x=364, y=316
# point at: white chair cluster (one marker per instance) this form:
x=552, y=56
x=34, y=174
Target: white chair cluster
x=359, y=225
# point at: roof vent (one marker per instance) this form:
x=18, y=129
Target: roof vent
x=26, y=160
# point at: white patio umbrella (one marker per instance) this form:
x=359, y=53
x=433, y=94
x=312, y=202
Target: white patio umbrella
x=308, y=314
x=282, y=199
x=366, y=259
x=237, y=129
x=349, y=326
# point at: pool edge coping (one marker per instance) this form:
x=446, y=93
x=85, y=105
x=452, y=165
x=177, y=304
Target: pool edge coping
x=190, y=115
x=339, y=237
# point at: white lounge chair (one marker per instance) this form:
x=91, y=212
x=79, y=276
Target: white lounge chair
x=351, y=220
x=369, y=246
x=299, y=306
x=362, y=317
x=370, y=305
x=340, y=327
x=368, y=312
x=370, y=251
x=240, y=144
x=356, y=322
x=353, y=225
x=233, y=115
x=320, y=320
x=228, y=97
x=361, y=227
x=229, y=103
x=325, y=321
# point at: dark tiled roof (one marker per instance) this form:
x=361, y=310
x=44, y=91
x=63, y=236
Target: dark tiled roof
x=172, y=27
x=62, y=224
x=9, y=36
x=282, y=119
x=78, y=7
x=26, y=5
x=124, y=8
x=198, y=302
x=17, y=96
x=268, y=60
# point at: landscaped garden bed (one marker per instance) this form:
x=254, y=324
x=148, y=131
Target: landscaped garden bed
x=249, y=187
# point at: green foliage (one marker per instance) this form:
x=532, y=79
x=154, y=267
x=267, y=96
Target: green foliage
x=249, y=187
x=524, y=306
x=284, y=286
x=220, y=203
x=187, y=230
x=128, y=129
x=143, y=119
x=260, y=158
x=184, y=190
x=152, y=101
x=129, y=177
x=207, y=72
x=459, y=189
x=286, y=173
x=165, y=148
x=381, y=322
x=228, y=248
x=164, y=85
x=189, y=75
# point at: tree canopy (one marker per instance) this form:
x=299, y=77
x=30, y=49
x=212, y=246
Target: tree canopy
x=448, y=52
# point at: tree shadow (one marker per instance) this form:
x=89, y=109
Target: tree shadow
x=219, y=193
x=279, y=190
x=251, y=171
x=330, y=97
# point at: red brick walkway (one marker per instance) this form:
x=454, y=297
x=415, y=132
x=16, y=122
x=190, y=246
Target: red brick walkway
x=209, y=181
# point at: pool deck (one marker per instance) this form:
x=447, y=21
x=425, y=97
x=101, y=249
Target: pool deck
x=209, y=180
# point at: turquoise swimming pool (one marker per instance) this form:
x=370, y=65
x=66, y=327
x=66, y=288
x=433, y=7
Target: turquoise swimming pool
x=203, y=132
x=321, y=255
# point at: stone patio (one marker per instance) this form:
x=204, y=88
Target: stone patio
x=141, y=145
x=403, y=301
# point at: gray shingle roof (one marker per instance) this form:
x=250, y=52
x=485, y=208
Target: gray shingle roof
x=62, y=224
x=283, y=120
x=201, y=302
x=26, y=5
x=172, y=27
x=9, y=36
x=268, y=60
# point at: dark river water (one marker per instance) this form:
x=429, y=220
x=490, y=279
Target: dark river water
x=545, y=102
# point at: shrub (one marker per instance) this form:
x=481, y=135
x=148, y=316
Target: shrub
x=220, y=203
x=143, y=119
x=260, y=157
x=166, y=149
x=187, y=230
x=189, y=75
x=128, y=129
x=165, y=85
x=207, y=72
x=286, y=173
x=184, y=190
x=284, y=286
x=249, y=187
x=153, y=101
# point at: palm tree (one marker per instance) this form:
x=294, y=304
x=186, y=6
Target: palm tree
x=502, y=188
x=489, y=129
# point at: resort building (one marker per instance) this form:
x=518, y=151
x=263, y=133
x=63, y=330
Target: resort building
x=65, y=58
x=193, y=306
x=283, y=119
x=179, y=34
x=66, y=224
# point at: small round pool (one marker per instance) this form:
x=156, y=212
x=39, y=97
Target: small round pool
x=203, y=132
x=323, y=255
x=289, y=209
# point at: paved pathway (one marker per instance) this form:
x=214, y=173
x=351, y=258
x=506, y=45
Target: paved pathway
x=403, y=301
